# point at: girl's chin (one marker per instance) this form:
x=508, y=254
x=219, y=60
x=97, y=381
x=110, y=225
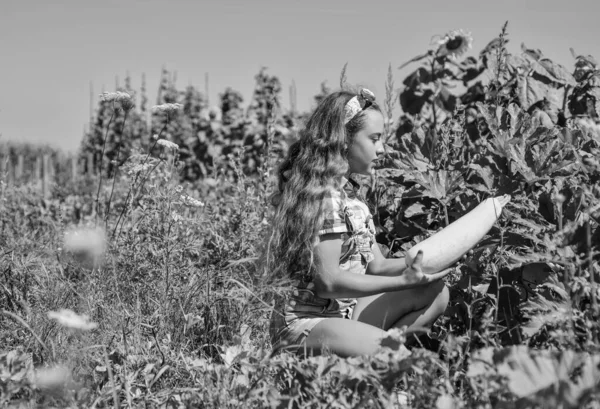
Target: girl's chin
x=368, y=170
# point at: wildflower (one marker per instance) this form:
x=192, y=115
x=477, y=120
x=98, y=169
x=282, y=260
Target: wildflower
x=190, y=201
x=123, y=98
x=155, y=136
x=166, y=108
x=69, y=319
x=168, y=144
x=176, y=217
x=454, y=44
x=85, y=241
x=108, y=96
x=54, y=379
x=139, y=168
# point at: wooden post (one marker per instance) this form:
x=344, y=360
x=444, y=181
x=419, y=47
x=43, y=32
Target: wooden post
x=74, y=167
x=91, y=170
x=5, y=169
x=46, y=176
x=19, y=168
x=37, y=173
x=293, y=99
x=51, y=168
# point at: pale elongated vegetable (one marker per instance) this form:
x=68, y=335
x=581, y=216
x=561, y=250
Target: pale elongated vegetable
x=447, y=246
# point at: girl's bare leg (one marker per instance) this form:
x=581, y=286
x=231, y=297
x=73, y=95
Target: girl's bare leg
x=373, y=316
x=416, y=308
x=345, y=338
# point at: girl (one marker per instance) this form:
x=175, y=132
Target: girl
x=345, y=294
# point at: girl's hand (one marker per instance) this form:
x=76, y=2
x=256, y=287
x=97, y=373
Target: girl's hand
x=414, y=273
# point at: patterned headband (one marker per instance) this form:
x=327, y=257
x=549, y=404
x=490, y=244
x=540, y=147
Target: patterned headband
x=360, y=102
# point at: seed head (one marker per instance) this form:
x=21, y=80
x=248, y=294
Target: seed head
x=190, y=201
x=168, y=144
x=167, y=108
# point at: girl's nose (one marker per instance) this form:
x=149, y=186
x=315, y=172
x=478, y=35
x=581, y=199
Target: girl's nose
x=379, y=148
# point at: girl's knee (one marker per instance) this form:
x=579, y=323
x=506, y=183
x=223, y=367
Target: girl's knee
x=444, y=295
x=438, y=293
x=435, y=289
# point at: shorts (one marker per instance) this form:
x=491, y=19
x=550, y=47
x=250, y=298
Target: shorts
x=298, y=313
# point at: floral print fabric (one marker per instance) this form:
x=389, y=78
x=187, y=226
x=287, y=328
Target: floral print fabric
x=302, y=309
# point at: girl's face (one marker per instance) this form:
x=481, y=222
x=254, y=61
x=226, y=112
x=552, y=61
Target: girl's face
x=366, y=146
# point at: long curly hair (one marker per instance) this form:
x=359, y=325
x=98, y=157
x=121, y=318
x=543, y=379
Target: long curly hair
x=313, y=168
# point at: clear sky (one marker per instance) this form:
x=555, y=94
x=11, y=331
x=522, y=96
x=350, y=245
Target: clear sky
x=52, y=50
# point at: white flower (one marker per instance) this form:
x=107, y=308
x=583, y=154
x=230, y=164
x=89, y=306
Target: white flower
x=53, y=379
x=168, y=144
x=190, y=201
x=108, y=96
x=69, y=319
x=88, y=241
x=139, y=168
x=166, y=108
x=155, y=136
x=124, y=98
x=454, y=44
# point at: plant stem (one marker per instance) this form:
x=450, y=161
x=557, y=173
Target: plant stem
x=446, y=214
x=101, y=161
x=116, y=171
x=167, y=250
x=434, y=128
x=588, y=242
x=136, y=178
x=112, y=380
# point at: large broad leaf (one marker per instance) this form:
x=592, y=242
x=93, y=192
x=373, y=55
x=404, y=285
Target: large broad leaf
x=446, y=99
x=558, y=73
x=531, y=91
x=548, y=69
x=413, y=152
x=541, y=311
x=485, y=174
x=542, y=378
x=504, y=123
x=442, y=185
x=412, y=100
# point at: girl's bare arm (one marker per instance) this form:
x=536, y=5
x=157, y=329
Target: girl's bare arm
x=382, y=266
x=331, y=282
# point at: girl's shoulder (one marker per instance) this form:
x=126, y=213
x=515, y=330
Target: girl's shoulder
x=345, y=197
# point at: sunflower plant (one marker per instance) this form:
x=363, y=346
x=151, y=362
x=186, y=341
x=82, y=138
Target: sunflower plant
x=427, y=90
